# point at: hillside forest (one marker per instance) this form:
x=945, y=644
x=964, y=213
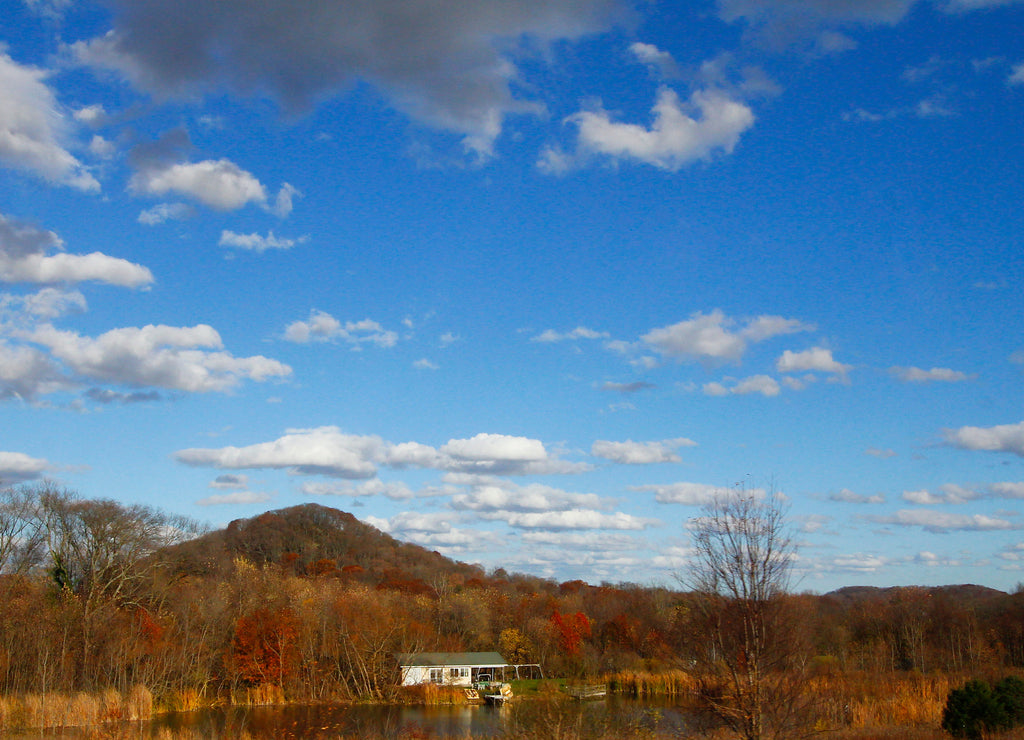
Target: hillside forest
x=97, y=595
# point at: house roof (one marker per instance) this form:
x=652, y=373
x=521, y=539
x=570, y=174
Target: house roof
x=451, y=659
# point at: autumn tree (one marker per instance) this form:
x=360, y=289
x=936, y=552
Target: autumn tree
x=740, y=574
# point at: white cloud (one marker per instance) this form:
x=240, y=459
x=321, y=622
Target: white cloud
x=1000, y=438
x=92, y=115
x=940, y=522
x=763, y=384
x=26, y=373
x=859, y=563
x=936, y=374
x=654, y=57
x=32, y=128
x=17, y=467
x=162, y=212
x=327, y=451
x=156, y=356
x=786, y=22
x=847, y=496
x=219, y=184
x=1017, y=75
x=324, y=450
x=676, y=138
x=497, y=497
x=424, y=364
x=880, y=453
x=580, y=332
x=817, y=359
x=949, y=494
x=394, y=490
x=690, y=494
x=640, y=453
x=24, y=258
x=322, y=327
x=489, y=447
x=1008, y=489
x=230, y=482
x=446, y=67
x=235, y=498
x=257, y=242
x=574, y=519
x=713, y=336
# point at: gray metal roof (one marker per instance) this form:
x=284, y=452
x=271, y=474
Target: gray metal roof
x=451, y=659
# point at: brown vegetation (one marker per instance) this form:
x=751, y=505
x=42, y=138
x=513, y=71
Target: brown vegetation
x=309, y=605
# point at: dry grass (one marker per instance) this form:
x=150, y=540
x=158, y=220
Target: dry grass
x=669, y=683
x=74, y=710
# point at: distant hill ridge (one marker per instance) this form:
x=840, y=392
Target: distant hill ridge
x=314, y=539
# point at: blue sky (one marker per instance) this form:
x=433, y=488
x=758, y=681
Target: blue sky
x=526, y=282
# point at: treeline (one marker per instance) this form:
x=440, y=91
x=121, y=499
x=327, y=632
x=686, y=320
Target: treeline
x=97, y=595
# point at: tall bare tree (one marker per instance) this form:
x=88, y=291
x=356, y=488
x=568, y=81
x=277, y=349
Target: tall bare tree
x=750, y=653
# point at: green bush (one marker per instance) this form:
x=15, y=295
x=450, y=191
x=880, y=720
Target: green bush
x=1009, y=694
x=977, y=708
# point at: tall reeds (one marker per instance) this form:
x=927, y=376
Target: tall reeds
x=74, y=710
x=668, y=683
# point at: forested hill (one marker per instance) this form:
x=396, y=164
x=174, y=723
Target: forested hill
x=311, y=539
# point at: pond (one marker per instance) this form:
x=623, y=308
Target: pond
x=611, y=717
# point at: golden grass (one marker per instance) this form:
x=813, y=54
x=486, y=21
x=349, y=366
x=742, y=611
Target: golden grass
x=74, y=710
x=668, y=683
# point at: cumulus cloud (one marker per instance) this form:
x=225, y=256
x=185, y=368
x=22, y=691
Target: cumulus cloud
x=29, y=254
x=444, y=64
x=1008, y=489
x=679, y=135
x=763, y=384
x=640, y=453
x=940, y=522
x=187, y=359
x=329, y=451
x=394, y=490
x=322, y=327
x=715, y=336
x=235, y=498
x=879, y=452
x=324, y=450
x=816, y=359
x=32, y=130
x=162, y=212
x=1000, y=438
x=493, y=497
x=220, y=184
x=847, y=496
x=574, y=519
x=1017, y=75
x=230, y=482
x=257, y=242
x=786, y=22
x=691, y=494
x=936, y=374
x=580, y=332
x=17, y=467
x=948, y=494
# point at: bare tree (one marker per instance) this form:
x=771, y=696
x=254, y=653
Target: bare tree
x=749, y=652
x=21, y=531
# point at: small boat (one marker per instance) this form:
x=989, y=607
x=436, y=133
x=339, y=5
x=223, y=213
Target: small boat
x=589, y=691
x=503, y=694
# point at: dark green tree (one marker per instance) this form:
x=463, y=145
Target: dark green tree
x=972, y=710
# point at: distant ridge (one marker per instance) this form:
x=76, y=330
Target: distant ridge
x=966, y=592
x=315, y=539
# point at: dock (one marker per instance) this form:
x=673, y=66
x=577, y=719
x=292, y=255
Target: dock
x=589, y=691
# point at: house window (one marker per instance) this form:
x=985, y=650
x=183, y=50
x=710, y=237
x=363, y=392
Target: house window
x=437, y=675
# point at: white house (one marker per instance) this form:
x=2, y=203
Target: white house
x=451, y=669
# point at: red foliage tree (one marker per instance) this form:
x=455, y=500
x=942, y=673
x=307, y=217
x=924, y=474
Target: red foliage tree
x=571, y=630
x=263, y=648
